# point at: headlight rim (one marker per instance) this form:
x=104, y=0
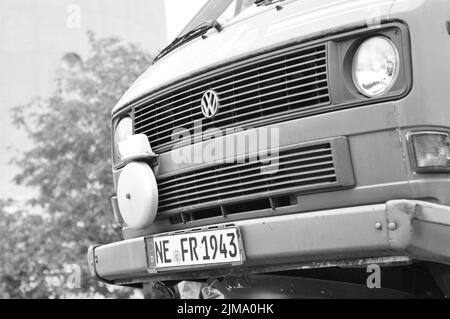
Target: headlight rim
x=395, y=77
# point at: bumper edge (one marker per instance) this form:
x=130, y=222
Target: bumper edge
x=415, y=229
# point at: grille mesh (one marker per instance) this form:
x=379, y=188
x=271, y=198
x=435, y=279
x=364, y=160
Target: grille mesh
x=298, y=169
x=272, y=88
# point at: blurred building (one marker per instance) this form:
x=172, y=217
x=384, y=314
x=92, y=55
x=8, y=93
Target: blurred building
x=34, y=36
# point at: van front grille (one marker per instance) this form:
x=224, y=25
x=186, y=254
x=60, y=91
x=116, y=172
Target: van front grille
x=270, y=88
x=296, y=169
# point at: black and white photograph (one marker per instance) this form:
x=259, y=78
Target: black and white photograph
x=237, y=150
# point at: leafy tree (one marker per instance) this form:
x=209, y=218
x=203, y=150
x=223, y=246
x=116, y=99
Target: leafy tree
x=24, y=246
x=69, y=167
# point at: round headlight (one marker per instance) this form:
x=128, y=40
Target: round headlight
x=123, y=130
x=375, y=66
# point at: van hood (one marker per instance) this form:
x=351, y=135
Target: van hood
x=253, y=30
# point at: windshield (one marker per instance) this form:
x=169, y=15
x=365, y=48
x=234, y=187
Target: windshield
x=220, y=10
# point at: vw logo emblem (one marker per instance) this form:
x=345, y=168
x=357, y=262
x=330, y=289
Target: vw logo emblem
x=210, y=103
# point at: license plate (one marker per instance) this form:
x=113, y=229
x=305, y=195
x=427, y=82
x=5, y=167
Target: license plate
x=200, y=248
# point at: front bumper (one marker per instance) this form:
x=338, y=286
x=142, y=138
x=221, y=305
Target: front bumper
x=404, y=230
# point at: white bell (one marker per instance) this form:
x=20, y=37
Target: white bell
x=137, y=194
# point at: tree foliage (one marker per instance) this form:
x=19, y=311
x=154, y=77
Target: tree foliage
x=69, y=168
x=15, y=242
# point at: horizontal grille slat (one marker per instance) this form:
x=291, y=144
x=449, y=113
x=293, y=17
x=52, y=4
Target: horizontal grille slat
x=219, y=121
x=222, y=106
x=253, y=189
x=143, y=123
x=291, y=81
x=286, y=115
x=245, y=93
x=299, y=169
x=231, y=180
x=222, y=114
x=249, y=184
x=207, y=181
x=311, y=153
x=242, y=73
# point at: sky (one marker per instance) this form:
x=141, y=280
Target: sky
x=179, y=13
